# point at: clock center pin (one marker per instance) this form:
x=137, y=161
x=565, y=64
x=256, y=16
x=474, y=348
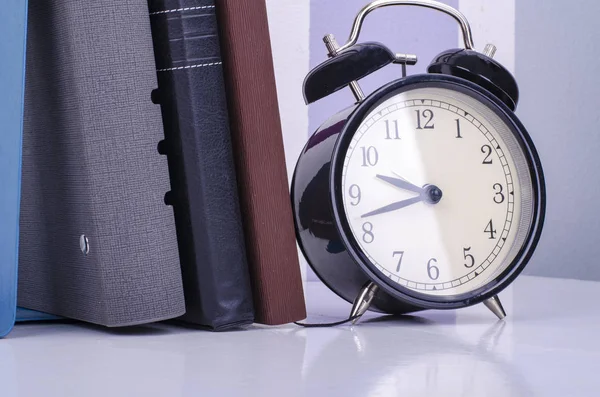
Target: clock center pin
x=432, y=194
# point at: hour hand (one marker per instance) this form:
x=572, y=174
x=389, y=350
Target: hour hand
x=394, y=206
x=400, y=183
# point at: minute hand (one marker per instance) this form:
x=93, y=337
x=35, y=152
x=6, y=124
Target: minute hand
x=394, y=206
x=401, y=183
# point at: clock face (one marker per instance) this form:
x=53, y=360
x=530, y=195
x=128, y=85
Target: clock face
x=437, y=191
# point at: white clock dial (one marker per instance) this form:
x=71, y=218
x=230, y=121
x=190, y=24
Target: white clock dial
x=437, y=191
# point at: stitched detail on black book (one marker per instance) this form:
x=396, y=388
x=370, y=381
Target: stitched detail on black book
x=181, y=10
x=202, y=65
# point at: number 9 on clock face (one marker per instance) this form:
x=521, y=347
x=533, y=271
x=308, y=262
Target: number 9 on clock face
x=436, y=190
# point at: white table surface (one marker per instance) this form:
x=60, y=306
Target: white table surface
x=549, y=345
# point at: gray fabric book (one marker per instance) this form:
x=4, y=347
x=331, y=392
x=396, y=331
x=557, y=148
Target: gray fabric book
x=98, y=243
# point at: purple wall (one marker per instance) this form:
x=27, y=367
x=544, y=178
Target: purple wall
x=404, y=29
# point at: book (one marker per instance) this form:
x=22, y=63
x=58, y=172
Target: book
x=13, y=26
x=198, y=146
x=97, y=242
x=260, y=161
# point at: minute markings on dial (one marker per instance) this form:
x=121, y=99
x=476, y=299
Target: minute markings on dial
x=477, y=269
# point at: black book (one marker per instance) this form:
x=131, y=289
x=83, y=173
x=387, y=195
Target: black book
x=198, y=146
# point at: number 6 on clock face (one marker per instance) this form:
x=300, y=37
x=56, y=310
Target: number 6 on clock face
x=442, y=176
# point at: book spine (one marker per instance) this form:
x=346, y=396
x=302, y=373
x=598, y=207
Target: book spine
x=199, y=149
x=13, y=26
x=260, y=160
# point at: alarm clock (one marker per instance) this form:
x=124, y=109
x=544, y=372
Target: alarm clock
x=426, y=194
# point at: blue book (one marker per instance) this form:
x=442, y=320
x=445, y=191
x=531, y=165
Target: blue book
x=13, y=29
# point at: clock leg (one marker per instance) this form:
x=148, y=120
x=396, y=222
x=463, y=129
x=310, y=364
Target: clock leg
x=363, y=301
x=495, y=306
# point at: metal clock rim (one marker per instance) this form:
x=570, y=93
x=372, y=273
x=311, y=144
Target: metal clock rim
x=491, y=288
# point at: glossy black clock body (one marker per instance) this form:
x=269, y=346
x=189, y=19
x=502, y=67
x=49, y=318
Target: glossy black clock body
x=324, y=234
x=316, y=229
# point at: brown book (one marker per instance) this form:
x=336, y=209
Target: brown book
x=260, y=161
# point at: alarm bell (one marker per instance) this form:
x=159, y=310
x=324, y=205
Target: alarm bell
x=353, y=61
x=347, y=66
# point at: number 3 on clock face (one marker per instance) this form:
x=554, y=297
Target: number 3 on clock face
x=436, y=191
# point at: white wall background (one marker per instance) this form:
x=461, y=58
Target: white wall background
x=492, y=21
x=559, y=75
x=289, y=25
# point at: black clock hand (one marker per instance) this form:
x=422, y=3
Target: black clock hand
x=394, y=206
x=401, y=183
